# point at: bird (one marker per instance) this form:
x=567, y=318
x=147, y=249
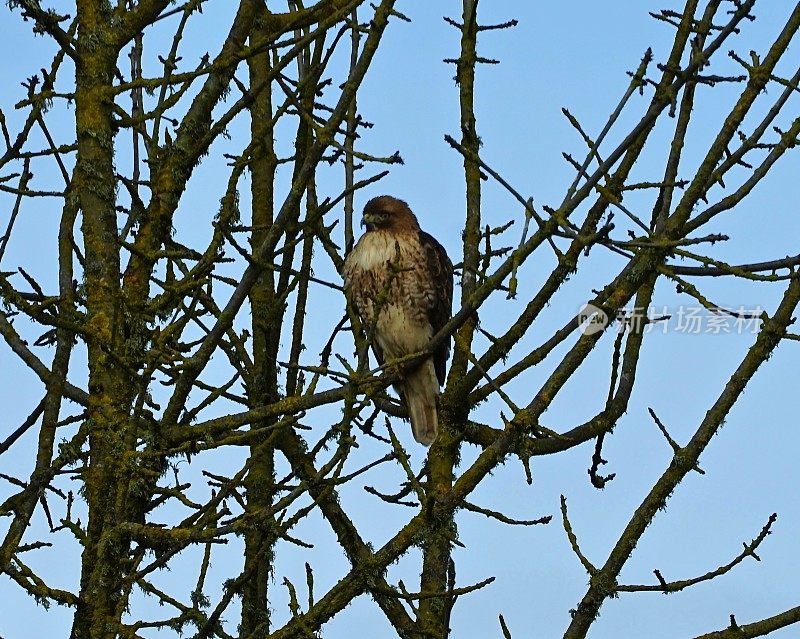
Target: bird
x=401, y=273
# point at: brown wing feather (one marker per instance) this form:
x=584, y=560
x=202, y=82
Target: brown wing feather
x=440, y=274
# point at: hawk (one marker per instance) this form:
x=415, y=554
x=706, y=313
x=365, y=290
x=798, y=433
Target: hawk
x=404, y=275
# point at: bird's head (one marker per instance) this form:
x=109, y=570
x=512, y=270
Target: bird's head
x=387, y=213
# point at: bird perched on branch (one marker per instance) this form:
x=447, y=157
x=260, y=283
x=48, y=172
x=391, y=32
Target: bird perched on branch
x=402, y=275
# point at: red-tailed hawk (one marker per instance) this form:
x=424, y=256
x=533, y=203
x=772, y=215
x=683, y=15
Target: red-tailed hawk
x=404, y=274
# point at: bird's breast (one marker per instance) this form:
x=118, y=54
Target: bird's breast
x=384, y=274
x=375, y=249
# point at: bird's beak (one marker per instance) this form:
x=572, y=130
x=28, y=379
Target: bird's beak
x=363, y=222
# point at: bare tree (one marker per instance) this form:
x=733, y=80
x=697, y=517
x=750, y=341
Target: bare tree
x=300, y=419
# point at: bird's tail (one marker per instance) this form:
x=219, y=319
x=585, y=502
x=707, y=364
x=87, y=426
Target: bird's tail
x=420, y=390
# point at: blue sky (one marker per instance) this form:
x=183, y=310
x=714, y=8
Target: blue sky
x=572, y=55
